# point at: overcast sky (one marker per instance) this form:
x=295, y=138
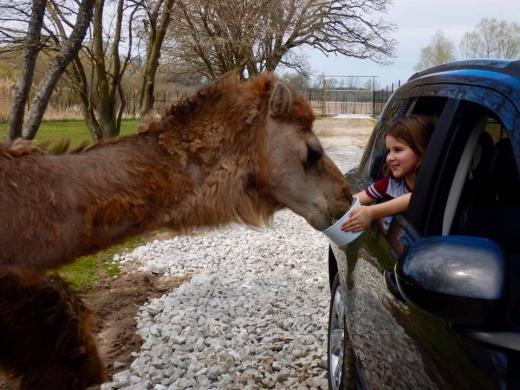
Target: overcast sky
x=417, y=21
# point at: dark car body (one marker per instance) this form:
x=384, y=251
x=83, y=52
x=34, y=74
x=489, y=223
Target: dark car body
x=433, y=301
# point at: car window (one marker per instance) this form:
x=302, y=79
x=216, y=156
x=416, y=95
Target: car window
x=429, y=106
x=455, y=119
x=478, y=191
x=370, y=163
x=484, y=198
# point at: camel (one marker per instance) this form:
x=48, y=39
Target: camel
x=232, y=152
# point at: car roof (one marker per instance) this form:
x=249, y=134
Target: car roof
x=505, y=67
x=502, y=76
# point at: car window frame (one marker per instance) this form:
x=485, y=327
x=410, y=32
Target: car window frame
x=434, y=159
x=446, y=137
x=432, y=189
x=495, y=102
x=500, y=104
x=367, y=160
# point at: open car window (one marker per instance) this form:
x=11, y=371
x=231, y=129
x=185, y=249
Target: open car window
x=428, y=106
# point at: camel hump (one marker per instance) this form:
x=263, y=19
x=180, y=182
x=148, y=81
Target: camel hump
x=18, y=147
x=22, y=147
x=281, y=100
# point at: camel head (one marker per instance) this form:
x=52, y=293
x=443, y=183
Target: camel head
x=249, y=150
x=299, y=174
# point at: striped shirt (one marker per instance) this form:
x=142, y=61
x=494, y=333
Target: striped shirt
x=384, y=189
x=387, y=188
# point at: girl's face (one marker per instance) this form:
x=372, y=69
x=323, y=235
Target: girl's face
x=401, y=159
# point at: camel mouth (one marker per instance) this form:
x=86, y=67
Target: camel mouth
x=322, y=221
x=340, y=209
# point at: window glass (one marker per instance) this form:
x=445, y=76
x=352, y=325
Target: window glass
x=370, y=161
x=478, y=188
x=429, y=106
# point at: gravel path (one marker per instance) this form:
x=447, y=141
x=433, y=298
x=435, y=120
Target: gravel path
x=253, y=316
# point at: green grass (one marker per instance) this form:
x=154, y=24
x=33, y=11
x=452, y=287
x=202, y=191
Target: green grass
x=75, y=130
x=84, y=272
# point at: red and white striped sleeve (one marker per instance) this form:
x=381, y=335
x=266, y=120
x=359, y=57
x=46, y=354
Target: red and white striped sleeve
x=378, y=190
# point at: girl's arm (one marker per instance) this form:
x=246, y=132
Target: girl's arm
x=364, y=199
x=391, y=207
x=362, y=217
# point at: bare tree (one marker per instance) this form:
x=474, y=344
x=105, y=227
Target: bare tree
x=492, y=39
x=15, y=18
x=69, y=50
x=98, y=70
x=32, y=46
x=298, y=80
x=439, y=51
x=107, y=83
x=156, y=26
x=211, y=37
x=36, y=39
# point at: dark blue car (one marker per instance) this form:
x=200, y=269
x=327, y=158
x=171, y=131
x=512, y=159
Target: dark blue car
x=433, y=301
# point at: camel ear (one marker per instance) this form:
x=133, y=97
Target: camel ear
x=281, y=100
x=231, y=77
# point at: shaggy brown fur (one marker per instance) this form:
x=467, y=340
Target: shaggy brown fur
x=204, y=164
x=46, y=335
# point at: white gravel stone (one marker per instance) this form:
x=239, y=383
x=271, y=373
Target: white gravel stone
x=254, y=315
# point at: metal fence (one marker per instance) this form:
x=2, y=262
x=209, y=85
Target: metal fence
x=64, y=106
x=324, y=101
x=381, y=96
x=340, y=101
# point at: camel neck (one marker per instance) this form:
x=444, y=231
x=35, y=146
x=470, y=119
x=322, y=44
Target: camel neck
x=131, y=188
x=92, y=199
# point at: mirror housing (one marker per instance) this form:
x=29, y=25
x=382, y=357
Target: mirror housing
x=460, y=279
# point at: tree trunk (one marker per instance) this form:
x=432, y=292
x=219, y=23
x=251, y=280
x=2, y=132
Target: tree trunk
x=155, y=42
x=68, y=52
x=21, y=91
x=78, y=72
x=105, y=104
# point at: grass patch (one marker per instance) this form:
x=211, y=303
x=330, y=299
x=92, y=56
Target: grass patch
x=83, y=273
x=75, y=130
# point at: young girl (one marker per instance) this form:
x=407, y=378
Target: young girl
x=406, y=140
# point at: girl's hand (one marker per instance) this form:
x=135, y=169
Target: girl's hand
x=359, y=220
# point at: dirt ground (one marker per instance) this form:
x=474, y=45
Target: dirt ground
x=115, y=301
x=338, y=133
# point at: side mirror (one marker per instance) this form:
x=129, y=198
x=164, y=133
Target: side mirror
x=460, y=279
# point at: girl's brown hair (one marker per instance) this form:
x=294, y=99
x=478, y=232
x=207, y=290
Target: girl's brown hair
x=413, y=130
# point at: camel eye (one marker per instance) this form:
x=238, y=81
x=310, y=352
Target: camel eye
x=313, y=156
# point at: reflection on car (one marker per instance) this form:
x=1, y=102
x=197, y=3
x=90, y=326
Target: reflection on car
x=434, y=301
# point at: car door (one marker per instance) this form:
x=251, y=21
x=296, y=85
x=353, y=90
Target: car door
x=397, y=345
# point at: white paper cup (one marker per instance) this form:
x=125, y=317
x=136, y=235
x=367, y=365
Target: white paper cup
x=338, y=236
